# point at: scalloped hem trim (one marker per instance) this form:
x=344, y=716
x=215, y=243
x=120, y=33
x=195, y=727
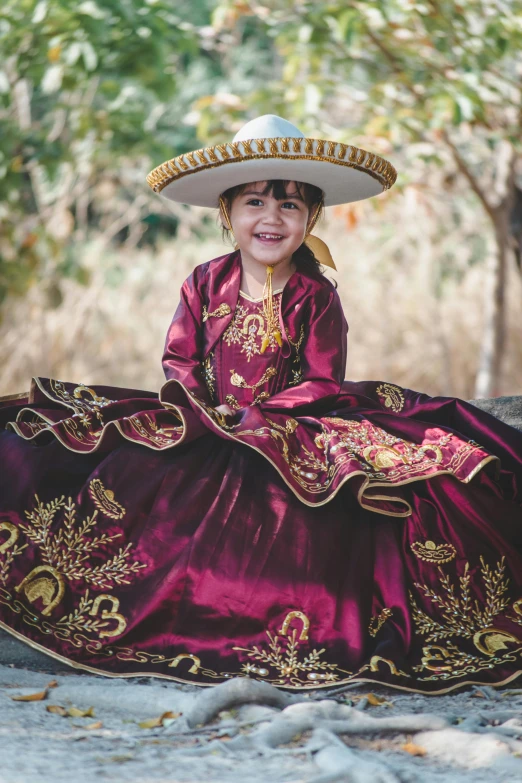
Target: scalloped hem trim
x=304, y=689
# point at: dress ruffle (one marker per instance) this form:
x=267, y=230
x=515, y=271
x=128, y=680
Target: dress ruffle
x=364, y=440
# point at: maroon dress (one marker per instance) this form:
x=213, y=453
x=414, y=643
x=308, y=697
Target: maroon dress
x=328, y=532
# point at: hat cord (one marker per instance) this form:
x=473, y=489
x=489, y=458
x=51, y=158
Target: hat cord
x=271, y=328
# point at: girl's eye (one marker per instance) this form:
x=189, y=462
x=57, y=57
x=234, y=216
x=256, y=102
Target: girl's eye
x=254, y=201
x=290, y=204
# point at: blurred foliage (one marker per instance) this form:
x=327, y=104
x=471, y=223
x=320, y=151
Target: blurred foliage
x=83, y=87
x=408, y=67
x=94, y=93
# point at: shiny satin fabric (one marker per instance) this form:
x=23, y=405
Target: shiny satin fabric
x=328, y=532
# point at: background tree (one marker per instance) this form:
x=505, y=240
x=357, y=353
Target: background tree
x=83, y=87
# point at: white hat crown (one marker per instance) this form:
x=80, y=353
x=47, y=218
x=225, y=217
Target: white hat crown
x=268, y=126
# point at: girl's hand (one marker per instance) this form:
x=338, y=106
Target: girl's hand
x=226, y=410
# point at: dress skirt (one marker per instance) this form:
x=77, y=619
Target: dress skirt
x=172, y=544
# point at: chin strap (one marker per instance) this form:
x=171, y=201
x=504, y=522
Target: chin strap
x=271, y=320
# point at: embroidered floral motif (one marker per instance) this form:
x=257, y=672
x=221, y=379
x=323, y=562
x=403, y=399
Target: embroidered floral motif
x=290, y=426
x=66, y=551
x=467, y=618
x=391, y=396
x=248, y=329
x=379, y=451
x=281, y=660
x=233, y=333
x=431, y=553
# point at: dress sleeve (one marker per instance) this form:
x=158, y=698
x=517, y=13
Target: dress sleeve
x=323, y=359
x=183, y=347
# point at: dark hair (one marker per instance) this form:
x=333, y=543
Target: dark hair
x=313, y=197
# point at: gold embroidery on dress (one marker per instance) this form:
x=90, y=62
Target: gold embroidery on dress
x=290, y=426
x=82, y=406
x=237, y=380
x=285, y=665
x=233, y=402
x=207, y=368
x=68, y=548
x=50, y=589
x=158, y=436
x=376, y=623
x=9, y=549
x=221, y=311
x=248, y=329
x=303, y=636
x=373, y=448
x=111, y=614
x=462, y=616
x=13, y=534
x=431, y=553
x=297, y=372
x=196, y=662
x=391, y=396
x=104, y=500
x=66, y=551
x=87, y=619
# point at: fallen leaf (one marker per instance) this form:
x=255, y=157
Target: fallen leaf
x=376, y=701
x=413, y=750
x=74, y=712
x=52, y=684
x=56, y=709
x=156, y=723
x=97, y=725
x=40, y=696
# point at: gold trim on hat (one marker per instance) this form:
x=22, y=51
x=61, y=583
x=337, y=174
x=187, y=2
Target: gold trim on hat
x=302, y=149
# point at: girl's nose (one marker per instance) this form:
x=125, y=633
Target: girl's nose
x=273, y=215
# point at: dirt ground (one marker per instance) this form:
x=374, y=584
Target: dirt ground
x=144, y=730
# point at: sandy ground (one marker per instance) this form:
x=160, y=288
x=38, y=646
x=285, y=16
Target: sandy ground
x=208, y=735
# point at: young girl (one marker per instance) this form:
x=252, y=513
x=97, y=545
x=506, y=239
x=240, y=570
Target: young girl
x=261, y=516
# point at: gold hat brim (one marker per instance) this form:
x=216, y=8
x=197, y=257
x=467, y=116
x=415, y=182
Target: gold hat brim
x=343, y=172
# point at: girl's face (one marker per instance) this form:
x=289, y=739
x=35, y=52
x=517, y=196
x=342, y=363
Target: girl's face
x=268, y=231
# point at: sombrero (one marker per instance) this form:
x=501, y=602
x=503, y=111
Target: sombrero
x=270, y=147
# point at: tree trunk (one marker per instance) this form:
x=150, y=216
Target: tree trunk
x=488, y=378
